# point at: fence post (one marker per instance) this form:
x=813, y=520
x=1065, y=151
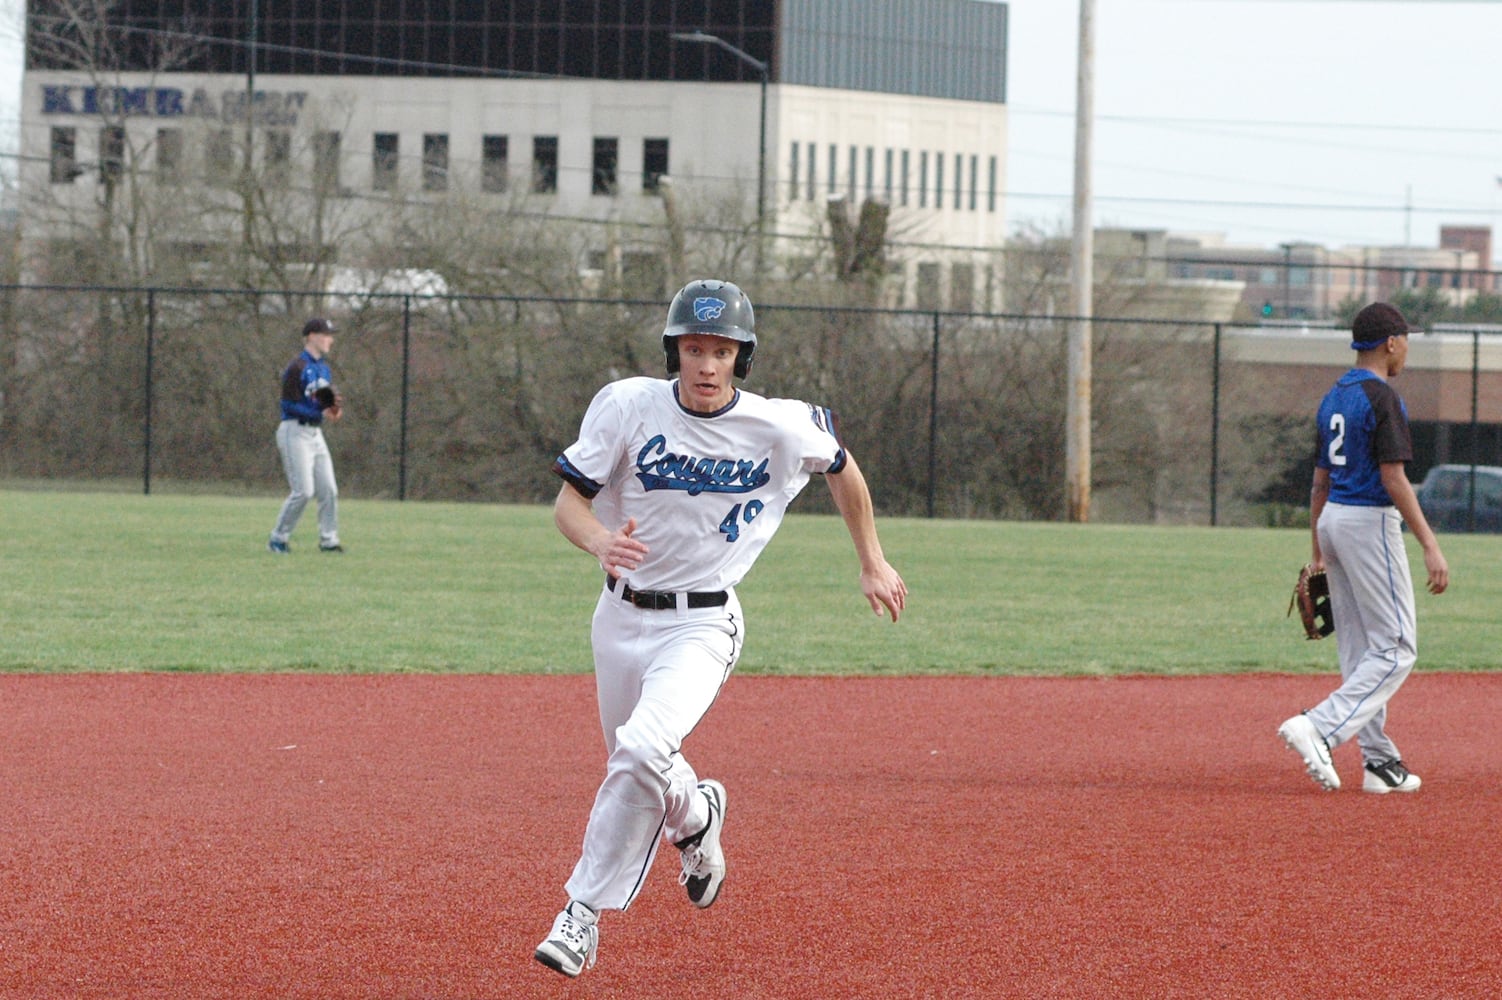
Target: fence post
x=1475, y=426
x=150, y=350
x=1215, y=428
x=933, y=421
x=401, y=488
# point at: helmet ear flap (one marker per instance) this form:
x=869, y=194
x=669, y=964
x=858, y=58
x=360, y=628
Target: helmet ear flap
x=670, y=348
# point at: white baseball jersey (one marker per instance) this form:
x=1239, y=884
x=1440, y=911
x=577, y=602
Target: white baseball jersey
x=716, y=484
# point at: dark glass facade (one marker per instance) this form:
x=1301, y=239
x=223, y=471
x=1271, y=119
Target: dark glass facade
x=593, y=39
x=936, y=48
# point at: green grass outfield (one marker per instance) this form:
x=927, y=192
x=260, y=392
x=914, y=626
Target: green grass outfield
x=95, y=581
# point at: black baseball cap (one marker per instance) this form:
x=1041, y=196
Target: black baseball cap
x=1375, y=323
x=317, y=325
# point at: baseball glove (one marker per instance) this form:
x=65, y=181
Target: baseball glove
x=1311, y=595
x=326, y=396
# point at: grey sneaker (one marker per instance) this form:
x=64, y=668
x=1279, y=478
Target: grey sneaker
x=703, y=860
x=571, y=945
x=280, y=548
x=1302, y=738
x=1386, y=776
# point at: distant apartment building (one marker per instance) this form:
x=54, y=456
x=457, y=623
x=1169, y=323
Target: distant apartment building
x=1307, y=281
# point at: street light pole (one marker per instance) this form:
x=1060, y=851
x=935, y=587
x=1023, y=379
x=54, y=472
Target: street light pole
x=762, y=69
x=1287, y=279
x=252, y=33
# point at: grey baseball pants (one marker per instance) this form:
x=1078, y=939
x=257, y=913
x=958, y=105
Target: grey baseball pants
x=310, y=474
x=1371, y=599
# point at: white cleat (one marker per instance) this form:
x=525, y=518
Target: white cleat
x=1302, y=738
x=570, y=947
x=703, y=860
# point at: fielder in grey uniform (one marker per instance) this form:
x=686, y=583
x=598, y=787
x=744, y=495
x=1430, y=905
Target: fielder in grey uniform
x=1359, y=501
x=676, y=487
x=308, y=400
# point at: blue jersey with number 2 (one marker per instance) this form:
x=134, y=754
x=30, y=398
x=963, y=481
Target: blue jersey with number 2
x=1362, y=424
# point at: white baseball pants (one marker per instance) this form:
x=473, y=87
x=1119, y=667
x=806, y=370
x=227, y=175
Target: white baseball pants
x=310, y=474
x=1371, y=599
x=656, y=675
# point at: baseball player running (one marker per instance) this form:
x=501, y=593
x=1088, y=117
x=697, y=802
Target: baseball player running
x=676, y=487
x=308, y=399
x=1360, y=498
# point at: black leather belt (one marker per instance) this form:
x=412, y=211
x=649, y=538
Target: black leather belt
x=666, y=600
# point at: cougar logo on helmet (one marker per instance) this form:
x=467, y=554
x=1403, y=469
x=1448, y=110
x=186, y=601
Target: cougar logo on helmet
x=706, y=308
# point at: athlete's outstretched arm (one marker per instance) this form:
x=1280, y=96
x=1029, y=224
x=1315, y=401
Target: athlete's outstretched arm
x=616, y=550
x=881, y=584
x=1400, y=491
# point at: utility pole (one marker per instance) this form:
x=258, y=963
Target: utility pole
x=1081, y=282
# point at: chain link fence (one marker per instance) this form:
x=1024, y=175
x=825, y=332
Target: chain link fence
x=470, y=398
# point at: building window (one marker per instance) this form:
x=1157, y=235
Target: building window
x=938, y=180
x=834, y=168
x=974, y=179
x=813, y=173
x=888, y=178
x=905, y=165
x=795, y=175
x=111, y=153
x=654, y=163
x=435, y=161
x=870, y=172
x=544, y=164
x=603, y=166
x=643, y=270
x=959, y=180
x=278, y=157
x=219, y=157
x=923, y=179
x=852, y=177
x=169, y=155
x=64, y=169
x=326, y=163
x=962, y=287
x=385, y=157
x=991, y=188
x=494, y=167
x=927, y=294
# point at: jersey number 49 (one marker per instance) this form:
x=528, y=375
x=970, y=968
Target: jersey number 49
x=731, y=526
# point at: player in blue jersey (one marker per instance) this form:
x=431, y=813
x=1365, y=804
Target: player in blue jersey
x=308, y=400
x=1359, y=501
x=675, y=486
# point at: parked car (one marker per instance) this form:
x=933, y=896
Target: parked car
x=1445, y=496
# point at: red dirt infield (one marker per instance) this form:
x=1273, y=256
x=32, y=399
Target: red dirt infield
x=288, y=836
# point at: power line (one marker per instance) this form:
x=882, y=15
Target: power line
x=1323, y=126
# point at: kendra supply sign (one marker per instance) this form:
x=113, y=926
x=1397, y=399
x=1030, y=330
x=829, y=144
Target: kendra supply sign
x=270, y=107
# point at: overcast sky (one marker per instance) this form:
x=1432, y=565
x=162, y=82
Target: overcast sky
x=1334, y=121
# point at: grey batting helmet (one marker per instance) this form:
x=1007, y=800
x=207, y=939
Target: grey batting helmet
x=712, y=307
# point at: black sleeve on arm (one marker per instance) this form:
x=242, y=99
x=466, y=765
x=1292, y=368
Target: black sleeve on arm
x=587, y=487
x=1391, y=439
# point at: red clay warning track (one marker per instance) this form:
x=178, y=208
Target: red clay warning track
x=197, y=836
